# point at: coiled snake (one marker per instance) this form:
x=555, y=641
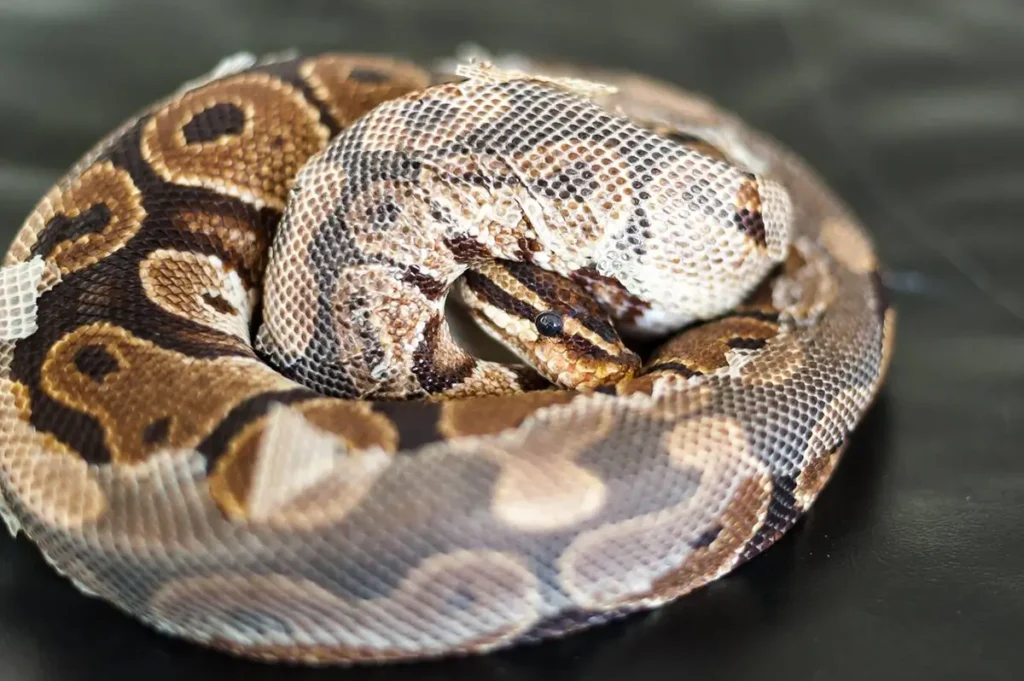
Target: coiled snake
x=319, y=472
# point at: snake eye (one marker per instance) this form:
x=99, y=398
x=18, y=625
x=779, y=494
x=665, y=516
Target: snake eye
x=549, y=323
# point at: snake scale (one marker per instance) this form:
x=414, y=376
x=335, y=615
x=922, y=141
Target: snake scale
x=234, y=407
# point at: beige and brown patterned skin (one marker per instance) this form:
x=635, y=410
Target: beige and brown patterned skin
x=160, y=463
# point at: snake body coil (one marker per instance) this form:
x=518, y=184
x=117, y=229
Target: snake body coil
x=353, y=485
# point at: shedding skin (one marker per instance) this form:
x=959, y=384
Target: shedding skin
x=501, y=166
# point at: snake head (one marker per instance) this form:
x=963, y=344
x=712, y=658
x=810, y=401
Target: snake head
x=548, y=321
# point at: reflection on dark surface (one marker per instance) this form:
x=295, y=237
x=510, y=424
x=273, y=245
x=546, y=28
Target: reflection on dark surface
x=910, y=564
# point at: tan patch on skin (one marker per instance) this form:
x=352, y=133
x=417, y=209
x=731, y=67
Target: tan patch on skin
x=43, y=474
x=815, y=476
x=347, y=97
x=477, y=599
x=136, y=390
x=280, y=131
x=199, y=288
x=345, y=445
x=488, y=415
x=680, y=548
x=542, y=488
x=849, y=245
x=706, y=348
x=102, y=185
x=749, y=197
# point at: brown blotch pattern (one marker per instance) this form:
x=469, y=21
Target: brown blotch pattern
x=147, y=387
x=241, y=244
x=706, y=348
x=54, y=485
x=613, y=296
x=542, y=488
x=199, y=288
x=257, y=164
x=466, y=249
x=349, y=86
x=749, y=212
x=330, y=453
x=478, y=599
x=729, y=501
x=372, y=342
x=79, y=225
x=489, y=415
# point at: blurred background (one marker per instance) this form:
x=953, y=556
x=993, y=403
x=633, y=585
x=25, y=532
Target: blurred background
x=910, y=565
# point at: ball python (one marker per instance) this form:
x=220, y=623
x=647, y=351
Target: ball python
x=234, y=406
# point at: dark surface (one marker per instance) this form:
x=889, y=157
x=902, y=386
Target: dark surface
x=911, y=565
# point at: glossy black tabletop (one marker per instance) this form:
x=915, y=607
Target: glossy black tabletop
x=911, y=565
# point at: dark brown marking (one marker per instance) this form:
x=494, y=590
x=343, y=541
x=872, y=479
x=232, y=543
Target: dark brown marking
x=416, y=422
x=527, y=247
x=704, y=348
x=466, y=249
x=433, y=373
x=157, y=431
x=612, y=295
x=499, y=297
x=96, y=362
x=219, y=120
x=219, y=303
x=748, y=217
x=782, y=513
x=368, y=75
x=746, y=343
x=674, y=367
x=706, y=538
x=216, y=443
x=62, y=228
x=430, y=287
x=751, y=224
x=567, y=295
x=583, y=347
x=882, y=296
